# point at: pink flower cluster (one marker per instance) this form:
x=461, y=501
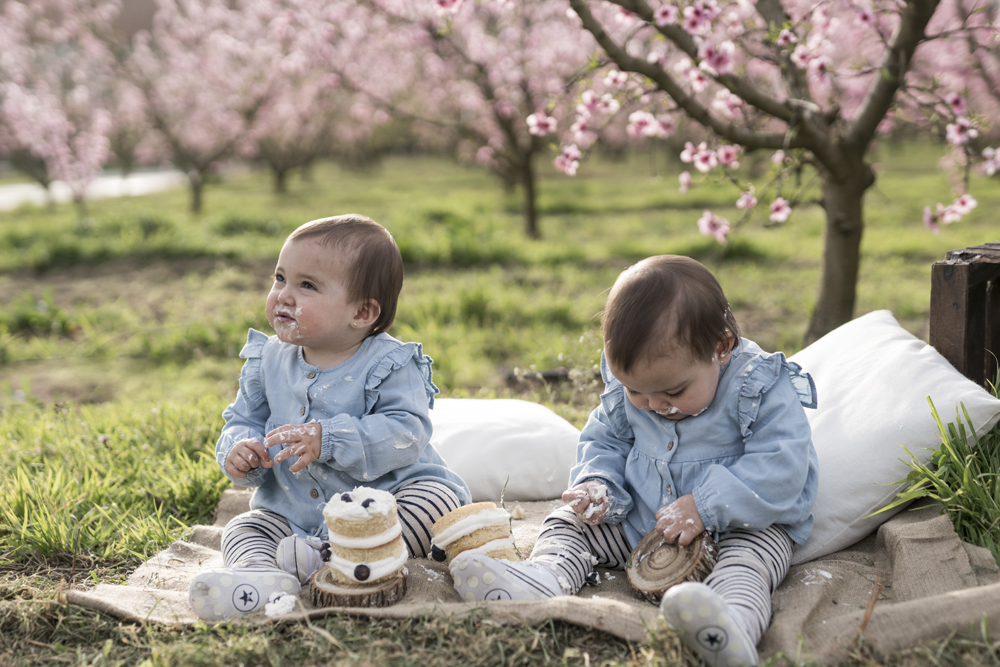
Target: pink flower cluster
x=710, y=224
x=991, y=161
x=948, y=214
x=568, y=160
x=540, y=124
x=705, y=159
x=644, y=124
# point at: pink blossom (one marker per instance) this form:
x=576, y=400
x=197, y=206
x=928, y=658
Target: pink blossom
x=947, y=214
x=956, y=102
x=747, y=199
x=717, y=59
x=801, y=56
x=786, y=38
x=710, y=224
x=569, y=160
x=959, y=132
x=865, y=17
x=639, y=123
x=666, y=15
x=930, y=220
x=667, y=126
x=705, y=159
x=726, y=102
x=540, y=124
x=451, y=6
x=992, y=161
x=964, y=204
x=698, y=79
x=685, y=181
x=615, y=79
x=699, y=16
x=819, y=68
x=728, y=155
x=687, y=155
x=780, y=210
x=778, y=158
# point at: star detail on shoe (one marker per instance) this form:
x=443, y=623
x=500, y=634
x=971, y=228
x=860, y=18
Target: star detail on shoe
x=712, y=638
x=245, y=598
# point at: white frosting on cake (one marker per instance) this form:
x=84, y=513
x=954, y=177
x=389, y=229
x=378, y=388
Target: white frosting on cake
x=377, y=569
x=496, y=545
x=337, y=509
x=470, y=524
x=368, y=541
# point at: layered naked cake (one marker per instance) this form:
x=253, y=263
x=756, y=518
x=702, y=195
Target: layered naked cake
x=478, y=528
x=366, y=543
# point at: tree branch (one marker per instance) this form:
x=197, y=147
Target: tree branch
x=671, y=87
x=895, y=63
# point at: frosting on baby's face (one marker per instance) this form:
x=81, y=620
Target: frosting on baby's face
x=674, y=386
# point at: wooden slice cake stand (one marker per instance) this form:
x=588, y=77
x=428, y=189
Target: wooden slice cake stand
x=327, y=593
x=656, y=565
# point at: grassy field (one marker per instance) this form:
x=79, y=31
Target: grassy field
x=119, y=334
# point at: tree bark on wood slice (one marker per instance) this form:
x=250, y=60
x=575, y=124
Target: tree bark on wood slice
x=327, y=593
x=655, y=565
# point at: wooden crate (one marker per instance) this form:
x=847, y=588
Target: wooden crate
x=965, y=310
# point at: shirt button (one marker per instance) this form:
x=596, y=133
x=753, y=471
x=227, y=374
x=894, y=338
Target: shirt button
x=311, y=375
x=669, y=490
x=314, y=493
x=670, y=445
x=302, y=411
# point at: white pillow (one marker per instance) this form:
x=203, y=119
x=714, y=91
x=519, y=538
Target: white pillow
x=872, y=380
x=487, y=441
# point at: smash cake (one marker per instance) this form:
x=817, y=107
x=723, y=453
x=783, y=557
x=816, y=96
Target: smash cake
x=480, y=528
x=366, y=552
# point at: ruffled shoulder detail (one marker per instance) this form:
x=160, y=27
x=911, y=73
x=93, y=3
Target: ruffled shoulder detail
x=760, y=375
x=255, y=344
x=613, y=401
x=251, y=383
x=397, y=357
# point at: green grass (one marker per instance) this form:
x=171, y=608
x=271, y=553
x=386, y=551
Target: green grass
x=119, y=335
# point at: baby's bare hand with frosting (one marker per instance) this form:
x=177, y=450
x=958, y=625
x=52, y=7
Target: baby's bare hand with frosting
x=246, y=455
x=302, y=440
x=680, y=521
x=589, y=500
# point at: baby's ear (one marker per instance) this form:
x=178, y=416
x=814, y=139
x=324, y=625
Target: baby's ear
x=366, y=314
x=726, y=346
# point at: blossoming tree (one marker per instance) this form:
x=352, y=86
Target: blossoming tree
x=815, y=82
x=481, y=68
x=55, y=84
x=205, y=69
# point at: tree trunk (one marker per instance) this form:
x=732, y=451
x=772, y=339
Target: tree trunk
x=197, y=180
x=843, y=200
x=280, y=181
x=530, y=203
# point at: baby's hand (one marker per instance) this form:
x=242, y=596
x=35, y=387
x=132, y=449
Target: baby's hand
x=589, y=500
x=680, y=521
x=302, y=440
x=245, y=456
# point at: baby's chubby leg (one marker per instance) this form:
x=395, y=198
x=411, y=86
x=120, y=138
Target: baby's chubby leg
x=561, y=562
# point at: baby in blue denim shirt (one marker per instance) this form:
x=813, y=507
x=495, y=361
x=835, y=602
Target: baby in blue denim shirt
x=698, y=430
x=329, y=403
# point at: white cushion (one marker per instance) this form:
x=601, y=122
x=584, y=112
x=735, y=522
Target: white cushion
x=488, y=441
x=873, y=379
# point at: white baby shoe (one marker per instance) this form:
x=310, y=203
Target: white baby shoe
x=703, y=621
x=479, y=578
x=223, y=593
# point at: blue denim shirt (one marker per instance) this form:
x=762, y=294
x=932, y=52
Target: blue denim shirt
x=748, y=458
x=374, y=410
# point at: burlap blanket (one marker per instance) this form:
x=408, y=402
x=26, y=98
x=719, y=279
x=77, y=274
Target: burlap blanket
x=935, y=584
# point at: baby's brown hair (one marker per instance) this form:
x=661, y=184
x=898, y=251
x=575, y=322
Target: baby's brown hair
x=374, y=266
x=662, y=303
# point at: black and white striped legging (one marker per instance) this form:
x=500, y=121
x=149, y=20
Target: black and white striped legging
x=254, y=535
x=751, y=564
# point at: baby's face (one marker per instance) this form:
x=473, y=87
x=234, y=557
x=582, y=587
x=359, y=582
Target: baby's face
x=675, y=386
x=308, y=303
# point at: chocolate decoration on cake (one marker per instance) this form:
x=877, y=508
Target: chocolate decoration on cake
x=438, y=554
x=361, y=573
x=366, y=503
x=346, y=497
